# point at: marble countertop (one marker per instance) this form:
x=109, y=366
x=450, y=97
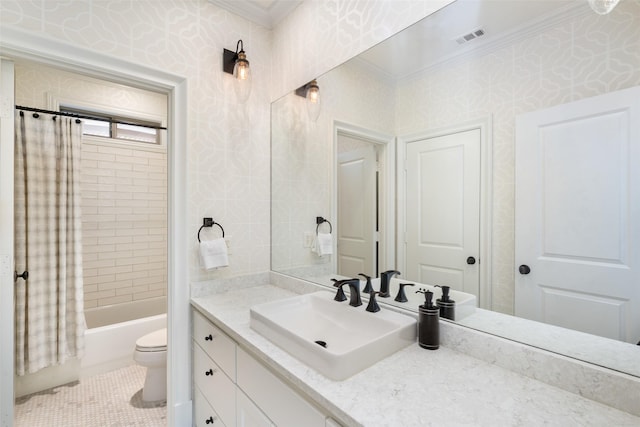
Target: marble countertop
x=413, y=387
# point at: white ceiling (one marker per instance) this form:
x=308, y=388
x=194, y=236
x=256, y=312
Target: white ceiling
x=267, y=13
x=433, y=39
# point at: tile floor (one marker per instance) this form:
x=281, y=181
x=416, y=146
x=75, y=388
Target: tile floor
x=113, y=399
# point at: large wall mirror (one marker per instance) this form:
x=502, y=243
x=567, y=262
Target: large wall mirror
x=492, y=147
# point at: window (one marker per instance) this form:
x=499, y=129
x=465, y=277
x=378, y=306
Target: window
x=117, y=127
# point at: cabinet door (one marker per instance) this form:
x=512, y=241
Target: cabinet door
x=248, y=414
x=277, y=399
x=216, y=387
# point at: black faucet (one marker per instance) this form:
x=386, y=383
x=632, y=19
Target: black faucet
x=385, y=278
x=354, y=291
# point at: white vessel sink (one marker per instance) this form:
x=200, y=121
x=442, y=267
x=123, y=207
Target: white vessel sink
x=332, y=337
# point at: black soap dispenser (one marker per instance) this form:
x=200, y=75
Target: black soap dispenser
x=446, y=304
x=428, y=322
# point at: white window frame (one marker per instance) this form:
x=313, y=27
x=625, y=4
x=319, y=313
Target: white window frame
x=54, y=102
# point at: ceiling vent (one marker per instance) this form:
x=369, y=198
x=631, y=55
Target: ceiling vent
x=470, y=36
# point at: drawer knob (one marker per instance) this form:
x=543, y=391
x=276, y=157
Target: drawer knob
x=210, y=372
x=210, y=420
x=208, y=338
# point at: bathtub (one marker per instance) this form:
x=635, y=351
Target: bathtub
x=107, y=345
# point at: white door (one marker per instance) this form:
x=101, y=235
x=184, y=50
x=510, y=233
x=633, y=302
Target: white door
x=578, y=215
x=356, y=211
x=443, y=210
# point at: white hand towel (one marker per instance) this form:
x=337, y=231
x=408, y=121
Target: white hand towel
x=213, y=254
x=324, y=244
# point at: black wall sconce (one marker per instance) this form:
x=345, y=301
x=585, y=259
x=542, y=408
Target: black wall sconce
x=236, y=63
x=311, y=91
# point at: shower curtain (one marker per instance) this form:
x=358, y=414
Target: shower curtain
x=48, y=242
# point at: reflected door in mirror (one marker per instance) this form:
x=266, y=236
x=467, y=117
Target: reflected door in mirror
x=357, y=212
x=578, y=215
x=443, y=210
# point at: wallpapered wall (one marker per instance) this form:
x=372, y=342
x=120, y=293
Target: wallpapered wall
x=228, y=143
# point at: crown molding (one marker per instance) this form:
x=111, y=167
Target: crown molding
x=265, y=13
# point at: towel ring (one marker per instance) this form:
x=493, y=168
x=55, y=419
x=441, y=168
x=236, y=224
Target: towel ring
x=209, y=222
x=320, y=220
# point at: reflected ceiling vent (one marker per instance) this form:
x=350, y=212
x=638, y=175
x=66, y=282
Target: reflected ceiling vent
x=470, y=36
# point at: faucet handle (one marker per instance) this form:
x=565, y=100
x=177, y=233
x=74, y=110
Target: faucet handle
x=402, y=297
x=367, y=288
x=340, y=296
x=373, y=306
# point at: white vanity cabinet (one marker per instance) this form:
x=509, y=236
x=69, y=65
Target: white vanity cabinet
x=232, y=388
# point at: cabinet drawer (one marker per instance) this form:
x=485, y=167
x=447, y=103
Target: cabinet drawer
x=215, y=386
x=215, y=343
x=284, y=406
x=203, y=413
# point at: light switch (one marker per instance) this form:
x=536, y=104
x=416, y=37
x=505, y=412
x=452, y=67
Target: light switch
x=308, y=239
x=227, y=240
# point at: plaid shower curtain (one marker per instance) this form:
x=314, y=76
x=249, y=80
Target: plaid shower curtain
x=48, y=241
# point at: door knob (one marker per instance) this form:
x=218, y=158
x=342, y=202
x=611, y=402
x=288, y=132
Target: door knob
x=471, y=260
x=24, y=275
x=524, y=269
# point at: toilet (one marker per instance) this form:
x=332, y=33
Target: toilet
x=151, y=352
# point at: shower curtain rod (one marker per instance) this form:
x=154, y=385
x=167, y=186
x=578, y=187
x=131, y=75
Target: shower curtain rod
x=80, y=116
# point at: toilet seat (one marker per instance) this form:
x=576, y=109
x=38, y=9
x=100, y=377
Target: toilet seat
x=153, y=342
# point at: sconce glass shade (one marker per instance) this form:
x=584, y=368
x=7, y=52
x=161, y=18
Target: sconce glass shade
x=313, y=98
x=602, y=7
x=241, y=69
x=236, y=63
x=242, y=73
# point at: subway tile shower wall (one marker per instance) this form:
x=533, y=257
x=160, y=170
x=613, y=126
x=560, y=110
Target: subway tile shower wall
x=124, y=225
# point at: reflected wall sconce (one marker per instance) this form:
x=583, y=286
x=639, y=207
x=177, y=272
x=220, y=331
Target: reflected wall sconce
x=236, y=63
x=602, y=7
x=311, y=91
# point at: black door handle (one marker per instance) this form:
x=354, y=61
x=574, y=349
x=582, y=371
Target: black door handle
x=24, y=275
x=471, y=260
x=524, y=269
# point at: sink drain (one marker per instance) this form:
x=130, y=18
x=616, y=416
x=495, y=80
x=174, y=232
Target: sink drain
x=321, y=343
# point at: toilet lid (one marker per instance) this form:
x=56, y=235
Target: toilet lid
x=155, y=341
